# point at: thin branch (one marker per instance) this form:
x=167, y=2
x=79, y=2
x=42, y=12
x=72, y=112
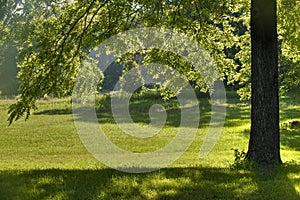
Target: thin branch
x=72, y=28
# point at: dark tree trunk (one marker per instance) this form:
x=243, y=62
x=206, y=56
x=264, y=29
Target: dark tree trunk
x=264, y=144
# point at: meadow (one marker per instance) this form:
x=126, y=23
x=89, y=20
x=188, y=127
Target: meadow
x=43, y=158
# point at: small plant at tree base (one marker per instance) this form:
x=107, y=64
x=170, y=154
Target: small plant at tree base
x=239, y=160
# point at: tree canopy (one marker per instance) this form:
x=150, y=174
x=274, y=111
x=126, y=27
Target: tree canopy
x=53, y=37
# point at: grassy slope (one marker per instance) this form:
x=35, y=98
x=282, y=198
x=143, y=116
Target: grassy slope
x=43, y=158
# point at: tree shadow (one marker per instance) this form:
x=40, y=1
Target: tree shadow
x=237, y=114
x=170, y=183
x=289, y=113
x=290, y=138
x=62, y=111
x=139, y=112
x=273, y=181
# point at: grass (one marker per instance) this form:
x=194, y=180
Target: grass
x=44, y=158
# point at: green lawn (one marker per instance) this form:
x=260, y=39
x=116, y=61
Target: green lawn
x=43, y=158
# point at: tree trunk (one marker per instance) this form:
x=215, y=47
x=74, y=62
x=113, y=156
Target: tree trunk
x=264, y=144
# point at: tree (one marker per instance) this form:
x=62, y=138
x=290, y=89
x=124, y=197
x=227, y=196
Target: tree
x=60, y=36
x=264, y=144
x=8, y=71
x=289, y=43
x=57, y=37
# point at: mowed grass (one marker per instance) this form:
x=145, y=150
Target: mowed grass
x=43, y=158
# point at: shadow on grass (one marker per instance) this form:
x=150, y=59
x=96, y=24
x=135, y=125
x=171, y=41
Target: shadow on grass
x=289, y=112
x=290, y=138
x=276, y=182
x=236, y=113
x=172, y=183
x=139, y=111
x=63, y=111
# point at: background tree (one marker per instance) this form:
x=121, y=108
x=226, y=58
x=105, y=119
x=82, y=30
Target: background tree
x=289, y=44
x=8, y=71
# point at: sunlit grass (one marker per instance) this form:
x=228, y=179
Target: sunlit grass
x=44, y=158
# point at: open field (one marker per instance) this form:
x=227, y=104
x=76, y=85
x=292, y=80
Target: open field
x=44, y=158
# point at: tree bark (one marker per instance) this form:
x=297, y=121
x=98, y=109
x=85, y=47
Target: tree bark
x=264, y=144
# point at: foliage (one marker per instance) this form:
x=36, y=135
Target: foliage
x=289, y=49
x=289, y=29
x=239, y=155
x=239, y=160
x=55, y=36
